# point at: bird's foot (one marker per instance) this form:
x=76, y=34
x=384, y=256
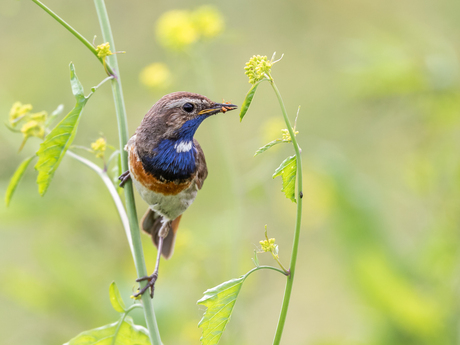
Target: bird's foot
x=124, y=178
x=150, y=284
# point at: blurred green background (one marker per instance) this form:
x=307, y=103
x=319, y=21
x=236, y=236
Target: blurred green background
x=379, y=86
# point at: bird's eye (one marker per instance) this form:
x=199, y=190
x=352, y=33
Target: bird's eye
x=188, y=107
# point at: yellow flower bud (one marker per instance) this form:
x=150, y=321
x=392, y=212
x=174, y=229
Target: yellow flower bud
x=103, y=50
x=99, y=147
x=33, y=129
x=39, y=117
x=268, y=245
x=287, y=136
x=18, y=111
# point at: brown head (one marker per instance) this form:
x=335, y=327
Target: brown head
x=169, y=114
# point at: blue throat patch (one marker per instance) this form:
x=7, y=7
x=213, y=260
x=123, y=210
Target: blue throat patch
x=174, y=159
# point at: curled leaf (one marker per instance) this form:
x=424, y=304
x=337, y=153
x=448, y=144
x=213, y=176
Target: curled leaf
x=56, y=143
x=248, y=99
x=219, y=301
x=288, y=171
x=16, y=178
x=115, y=298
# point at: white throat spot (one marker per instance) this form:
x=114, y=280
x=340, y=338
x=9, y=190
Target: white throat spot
x=183, y=146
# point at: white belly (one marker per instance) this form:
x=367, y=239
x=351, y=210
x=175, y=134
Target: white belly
x=168, y=206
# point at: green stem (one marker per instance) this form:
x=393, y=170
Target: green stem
x=295, y=245
x=120, y=322
x=265, y=268
x=279, y=263
x=129, y=196
x=113, y=192
x=74, y=32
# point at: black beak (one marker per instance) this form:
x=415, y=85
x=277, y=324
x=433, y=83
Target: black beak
x=218, y=108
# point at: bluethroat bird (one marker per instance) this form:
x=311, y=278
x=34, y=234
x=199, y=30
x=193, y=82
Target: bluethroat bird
x=167, y=166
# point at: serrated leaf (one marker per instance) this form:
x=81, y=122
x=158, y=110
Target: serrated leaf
x=288, y=171
x=267, y=146
x=248, y=99
x=115, y=298
x=219, y=301
x=128, y=334
x=16, y=178
x=56, y=143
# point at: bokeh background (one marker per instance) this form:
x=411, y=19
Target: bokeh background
x=379, y=86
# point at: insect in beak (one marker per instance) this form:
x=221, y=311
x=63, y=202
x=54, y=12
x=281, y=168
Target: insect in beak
x=218, y=108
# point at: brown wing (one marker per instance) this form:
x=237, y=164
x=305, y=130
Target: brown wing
x=201, y=169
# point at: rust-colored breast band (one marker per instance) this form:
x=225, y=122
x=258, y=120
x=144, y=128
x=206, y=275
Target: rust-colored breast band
x=149, y=181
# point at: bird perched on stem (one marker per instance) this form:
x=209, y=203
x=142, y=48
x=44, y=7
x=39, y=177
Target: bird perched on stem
x=167, y=166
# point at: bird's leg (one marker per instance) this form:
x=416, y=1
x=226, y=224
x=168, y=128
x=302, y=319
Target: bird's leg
x=164, y=230
x=124, y=178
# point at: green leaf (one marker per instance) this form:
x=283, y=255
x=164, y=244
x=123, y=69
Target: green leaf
x=56, y=143
x=128, y=334
x=16, y=178
x=220, y=301
x=267, y=146
x=248, y=99
x=54, y=114
x=115, y=298
x=288, y=171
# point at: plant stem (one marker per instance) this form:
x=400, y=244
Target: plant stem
x=120, y=322
x=129, y=196
x=295, y=245
x=113, y=192
x=74, y=32
x=265, y=268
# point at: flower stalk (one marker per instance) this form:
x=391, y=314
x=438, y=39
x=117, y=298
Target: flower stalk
x=295, y=245
x=129, y=195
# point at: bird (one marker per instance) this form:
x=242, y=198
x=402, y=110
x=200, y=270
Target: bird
x=168, y=167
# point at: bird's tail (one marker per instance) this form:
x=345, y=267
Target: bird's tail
x=151, y=224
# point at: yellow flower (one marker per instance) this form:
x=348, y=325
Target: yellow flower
x=155, y=75
x=103, y=50
x=258, y=67
x=268, y=245
x=18, y=111
x=99, y=147
x=33, y=129
x=287, y=136
x=176, y=30
x=208, y=21
x=39, y=117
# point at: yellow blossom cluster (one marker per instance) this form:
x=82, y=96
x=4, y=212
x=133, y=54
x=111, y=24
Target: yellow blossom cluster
x=99, y=147
x=257, y=67
x=268, y=245
x=178, y=29
x=103, y=50
x=287, y=136
x=18, y=111
x=33, y=123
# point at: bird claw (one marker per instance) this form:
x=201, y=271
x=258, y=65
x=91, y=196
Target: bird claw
x=150, y=285
x=124, y=178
